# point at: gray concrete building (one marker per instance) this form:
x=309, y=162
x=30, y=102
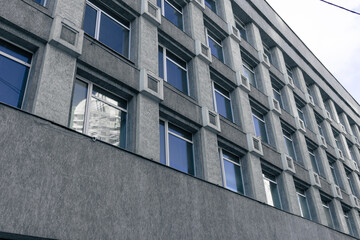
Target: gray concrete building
x=170, y=119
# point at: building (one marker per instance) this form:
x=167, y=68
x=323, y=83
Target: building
x=170, y=119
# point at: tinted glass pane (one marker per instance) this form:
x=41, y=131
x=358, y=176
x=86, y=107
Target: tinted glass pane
x=334, y=175
x=277, y=96
x=180, y=132
x=90, y=21
x=173, y=15
x=272, y=194
x=250, y=75
x=328, y=217
x=304, y=207
x=233, y=177
x=242, y=31
x=223, y=106
x=109, y=98
x=230, y=156
x=260, y=129
x=211, y=4
x=158, y=3
x=114, y=35
x=348, y=223
x=216, y=50
x=162, y=143
x=15, y=52
x=41, y=2
x=78, y=106
x=105, y=122
x=314, y=163
x=13, y=77
x=290, y=148
x=181, y=155
x=161, y=62
x=176, y=76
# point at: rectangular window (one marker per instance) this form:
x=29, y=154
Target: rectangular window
x=259, y=125
x=303, y=204
x=267, y=52
x=249, y=73
x=348, y=176
x=41, y=2
x=348, y=221
x=215, y=46
x=173, y=70
x=277, y=95
x=301, y=114
x=172, y=12
x=15, y=65
x=333, y=172
x=114, y=33
x=271, y=190
x=176, y=148
x=242, y=30
x=211, y=4
x=222, y=102
x=328, y=215
x=314, y=163
x=231, y=171
x=98, y=113
x=289, y=144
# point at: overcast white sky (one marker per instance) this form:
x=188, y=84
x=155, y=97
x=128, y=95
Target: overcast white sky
x=332, y=34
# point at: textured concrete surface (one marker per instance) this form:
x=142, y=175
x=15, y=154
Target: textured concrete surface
x=56, y=183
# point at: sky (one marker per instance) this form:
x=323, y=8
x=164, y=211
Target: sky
x=332, y=34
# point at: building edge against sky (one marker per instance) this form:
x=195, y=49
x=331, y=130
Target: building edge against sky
x=170, y=119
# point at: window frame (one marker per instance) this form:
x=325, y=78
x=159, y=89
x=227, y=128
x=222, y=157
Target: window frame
x=215, y=6
x=162, y=8
x=239, y=23
x=226, y=97
x=333, y=173
x=43, y=4
x=99, y=11
x=165, y=57
x=278, y=91
x=222, y=159
x=311, y=153
x=167, y=149
x=277, y=187
x=262, y=120
x=326, y=205
x=297, y=189
x=292, y=143
x=208, y=34
x=28, y=65
x=267, y=52
x=251, y=69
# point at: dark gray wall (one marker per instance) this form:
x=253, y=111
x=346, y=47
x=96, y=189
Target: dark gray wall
x=59, y=184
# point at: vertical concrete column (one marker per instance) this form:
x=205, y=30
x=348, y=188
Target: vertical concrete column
x=356, y=220
x=203, y=93
x=302, y=152
x=275, y=133
x=254, y=36
x=357, y=153
x=253, y=181
x=310, y=118
x=315, y=90
x=345, y=120
x=355, y=183
x=324, y=163
x=278, y=59
x=299, y=77
x=340, y=219
x=55, y=84
x=289, y=100
x=342, y=176
x=355, y=130
x=326, y=127
x=226, y=11
x=147, y=121
x=288, y=192
x=264, y=85
x=333, y=113
x=344, y=145
x=315, y=205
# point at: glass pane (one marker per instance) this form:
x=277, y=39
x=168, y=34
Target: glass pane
x=277, y=96
x=161, y=62
x=250, y=75
x=162, y=143
x=78, y=106
x=178, y=131
x=176, y=76
x=158, y=3
x=90, y=20
x=223, y=106
x=105, y=122
x=260, y=129
x=41, y=2
x=304, y=207
x=216, y=49
x=233, y=177
x=230, y=156
x=268, y=193
x=13, y=77
x=211, y=4
x=15, y=52
x=242, y=31
x=334, y=175
x=328, y=217
x=181, y=155
x=275, y=195
x=314, y=163
x=173, y=15
x=290, y=148
x=109, y=98
x=114, y=35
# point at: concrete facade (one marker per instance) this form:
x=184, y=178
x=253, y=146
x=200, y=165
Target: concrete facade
x=57, y=183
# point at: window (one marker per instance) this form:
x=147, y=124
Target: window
x=289, y=144
x=259, y=125
x=222, y=102
x=249, y=73
x=215, y=46
x=301, y=114
x=41, y=2
x=348, y=221
x=333, y=172
x=303, y=204
x=277, y=95
x=242, y=30
x=348, y=176
x=327, y=212
x=319, y=121
x=172, y=12
x=352, y=151
x=289, y=72
x=313, y=160
x=15, y=64
x=98, y=113
x=271, y=190
x=267, y=52
x=176, y=148
x=114, y=33
x=231, y=171
x=211, y=4
x=173, y=70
